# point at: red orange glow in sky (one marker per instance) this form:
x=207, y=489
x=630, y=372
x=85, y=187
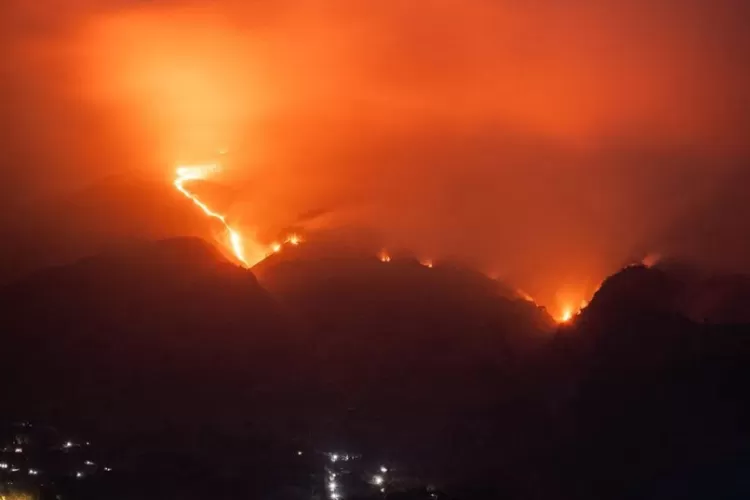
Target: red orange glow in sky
x=546, y=144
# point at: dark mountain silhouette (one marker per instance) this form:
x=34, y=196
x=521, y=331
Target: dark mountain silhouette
x=675, y=288
x=657, y=402
x=115, y=212
x=344, y=348
x=401, y=300
x=159, y=328
x=442, y=367
x=380, y=320
x=411, y=349
x=637, y=289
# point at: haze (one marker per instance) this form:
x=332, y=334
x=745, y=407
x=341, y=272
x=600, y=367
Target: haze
x=548, y=143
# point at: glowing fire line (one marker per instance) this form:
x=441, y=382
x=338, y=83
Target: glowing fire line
x=187, y=173
x=201, y=172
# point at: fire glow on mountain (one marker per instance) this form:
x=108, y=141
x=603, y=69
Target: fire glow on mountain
x=189, y=173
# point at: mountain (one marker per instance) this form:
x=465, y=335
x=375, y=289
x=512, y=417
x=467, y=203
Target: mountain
x=656, y=404
x=112, y=213
x=439, y=367
x=675, y=289
x=158, y=328
x=342, y=349
x=367, y=311
x=412, y=349
x=401, y=302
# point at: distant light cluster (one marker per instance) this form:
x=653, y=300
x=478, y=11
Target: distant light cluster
x=12, y=467
x=346, y=475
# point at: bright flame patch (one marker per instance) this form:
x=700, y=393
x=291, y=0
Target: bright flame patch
x=189, y=173
x=566, y=315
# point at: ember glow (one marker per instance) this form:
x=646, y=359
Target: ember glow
x=525, y=296
x=566, y=315
x=189, y=173
x=294, y=240
x=569, y=312
x=651, y=259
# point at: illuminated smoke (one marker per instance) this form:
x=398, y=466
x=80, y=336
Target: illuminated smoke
x=651, y=259
x=525, y=296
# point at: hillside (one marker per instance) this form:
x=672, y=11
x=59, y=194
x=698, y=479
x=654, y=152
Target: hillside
x=156, y=328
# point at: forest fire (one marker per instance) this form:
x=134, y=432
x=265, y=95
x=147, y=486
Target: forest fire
x=566, y=315
x=294, y=240
x=189, y=173
x=568, y=312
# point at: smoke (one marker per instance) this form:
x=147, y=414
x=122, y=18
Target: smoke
x=547, y=144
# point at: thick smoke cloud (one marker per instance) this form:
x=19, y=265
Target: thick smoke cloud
x=547, y=142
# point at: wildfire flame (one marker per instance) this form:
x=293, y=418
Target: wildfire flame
x=294, y=240
x=566, y=315
x=187, y=173
x=525, y=296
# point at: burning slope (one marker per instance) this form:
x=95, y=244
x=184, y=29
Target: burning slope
x=187, y=173
x=201, y=172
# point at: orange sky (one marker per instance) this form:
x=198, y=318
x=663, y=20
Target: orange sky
x=547, y=142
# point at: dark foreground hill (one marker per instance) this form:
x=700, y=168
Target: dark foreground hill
x=423, y=352
x=172, y=331
x=112, y=213
x=148, y=332
x=438, y=368
x=384, y=319
x=657, y=403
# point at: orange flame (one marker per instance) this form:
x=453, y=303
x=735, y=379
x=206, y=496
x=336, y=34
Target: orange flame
x=568, y=312
x=200, y=172
x=276, y=247
x=384, y=257
x=294, y=240
x=525, y=296
x=566, y=315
